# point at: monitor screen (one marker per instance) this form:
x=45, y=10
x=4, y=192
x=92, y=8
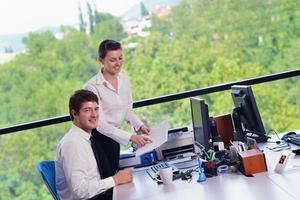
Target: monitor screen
x=247, y=112
x=200, y=120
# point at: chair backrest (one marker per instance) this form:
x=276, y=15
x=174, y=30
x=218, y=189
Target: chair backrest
x=47, y=170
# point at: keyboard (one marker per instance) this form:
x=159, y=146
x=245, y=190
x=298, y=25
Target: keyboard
x=292, y=138
x=153, y=170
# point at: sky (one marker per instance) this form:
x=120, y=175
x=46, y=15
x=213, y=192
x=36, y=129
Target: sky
x=22, y=16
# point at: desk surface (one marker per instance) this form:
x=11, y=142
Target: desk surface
x=227, y=187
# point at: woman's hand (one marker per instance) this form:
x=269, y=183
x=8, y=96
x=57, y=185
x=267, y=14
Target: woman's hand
x=140, y=140
x=145, y=130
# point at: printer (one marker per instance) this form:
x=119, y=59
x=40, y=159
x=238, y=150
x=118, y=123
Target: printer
x=180, y=142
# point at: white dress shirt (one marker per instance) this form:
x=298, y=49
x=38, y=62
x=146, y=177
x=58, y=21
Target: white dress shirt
x=115, y=107
x=77, y=175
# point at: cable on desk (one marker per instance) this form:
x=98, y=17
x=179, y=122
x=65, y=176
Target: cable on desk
x=279, y=141
x=273, y=131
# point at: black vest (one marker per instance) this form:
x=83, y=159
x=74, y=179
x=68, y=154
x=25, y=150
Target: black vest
x=107, y=154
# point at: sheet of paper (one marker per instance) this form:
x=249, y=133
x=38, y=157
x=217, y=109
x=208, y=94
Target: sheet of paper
x=158, y=135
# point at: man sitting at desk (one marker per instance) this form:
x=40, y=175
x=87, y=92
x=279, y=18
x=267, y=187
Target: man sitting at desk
x=77, y=174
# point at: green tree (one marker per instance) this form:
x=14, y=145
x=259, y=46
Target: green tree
x=82, y=23
x=91, y=18
x=144, y=11
x=106, y=27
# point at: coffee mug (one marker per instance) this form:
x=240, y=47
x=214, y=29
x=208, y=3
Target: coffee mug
x=166, y=175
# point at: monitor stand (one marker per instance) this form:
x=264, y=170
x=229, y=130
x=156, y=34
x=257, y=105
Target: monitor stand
x=260, y=138
x=240, y=134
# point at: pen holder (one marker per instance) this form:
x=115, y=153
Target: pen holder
x=210, y=169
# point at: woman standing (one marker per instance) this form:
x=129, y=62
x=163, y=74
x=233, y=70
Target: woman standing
x=115, y=100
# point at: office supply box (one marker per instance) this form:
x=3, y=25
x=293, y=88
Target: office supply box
x=130, y=160
x=252, y=161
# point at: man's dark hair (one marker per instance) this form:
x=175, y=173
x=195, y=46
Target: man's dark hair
x=78, y=98
x=108, y=45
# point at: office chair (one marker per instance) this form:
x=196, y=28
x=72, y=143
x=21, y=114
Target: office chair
x=47, y=170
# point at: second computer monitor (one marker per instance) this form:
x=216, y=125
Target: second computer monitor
x=200, y=118
x=247, y=112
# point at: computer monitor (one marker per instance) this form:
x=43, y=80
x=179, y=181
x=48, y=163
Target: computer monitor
x=201, y=123
x=246, y=117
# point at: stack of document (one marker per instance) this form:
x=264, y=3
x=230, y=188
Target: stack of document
x=158, y=136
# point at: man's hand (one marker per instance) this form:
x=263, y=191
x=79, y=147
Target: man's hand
x=145, y=130
x=123, y=176
x=140, y=140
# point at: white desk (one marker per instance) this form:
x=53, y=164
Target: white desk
x=228, y=187
x=289, y=180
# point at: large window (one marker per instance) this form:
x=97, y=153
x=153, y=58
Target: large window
x=174, y=47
